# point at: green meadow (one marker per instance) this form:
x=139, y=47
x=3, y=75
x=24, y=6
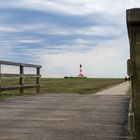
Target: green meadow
x=60, y=85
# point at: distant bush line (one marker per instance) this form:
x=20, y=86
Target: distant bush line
x=70, y=77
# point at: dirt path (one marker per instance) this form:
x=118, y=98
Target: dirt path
x=66, y=116
x=120, y=89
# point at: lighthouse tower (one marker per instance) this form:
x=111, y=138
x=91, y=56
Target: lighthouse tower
x=81, y=71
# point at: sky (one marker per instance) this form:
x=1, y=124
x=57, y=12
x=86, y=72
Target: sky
x=62, y=34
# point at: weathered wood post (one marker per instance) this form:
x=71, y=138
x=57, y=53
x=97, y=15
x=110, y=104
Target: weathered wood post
x=0, y=79
x=38, y=80
x=133, y=23
x=21, y=79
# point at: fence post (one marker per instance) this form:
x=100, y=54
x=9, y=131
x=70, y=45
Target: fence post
x=21, y=79
x=0, y=79
x=38, y=80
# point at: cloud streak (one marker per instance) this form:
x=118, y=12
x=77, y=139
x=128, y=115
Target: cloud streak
x=70, y=7
x=61, y=34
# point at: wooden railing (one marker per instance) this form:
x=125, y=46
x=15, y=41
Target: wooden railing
x=133, y=25
x=21, y=77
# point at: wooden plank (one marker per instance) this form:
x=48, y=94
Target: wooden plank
x=20, y=64
x=18, y=87
x=18, y=75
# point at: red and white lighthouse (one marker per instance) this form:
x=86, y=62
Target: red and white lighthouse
x=81, y=71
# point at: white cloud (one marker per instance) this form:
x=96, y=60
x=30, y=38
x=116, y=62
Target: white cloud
x=82, y=41
x=8, y=29
x=133, y=3
x=54, y=29
x=66, y=7
x=31, y=41
x=73, y=7
x=100, y=30
x=106, y=60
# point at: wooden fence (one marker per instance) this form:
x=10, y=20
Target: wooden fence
x=21, y=77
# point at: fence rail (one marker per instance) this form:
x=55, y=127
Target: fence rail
x=21, y=77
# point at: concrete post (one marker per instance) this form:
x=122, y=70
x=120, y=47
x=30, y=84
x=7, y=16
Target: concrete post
x=133, y=24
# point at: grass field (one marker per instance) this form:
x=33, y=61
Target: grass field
x=74, y=85
x=82, y=86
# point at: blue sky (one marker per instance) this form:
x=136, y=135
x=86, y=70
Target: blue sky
x=62, y=34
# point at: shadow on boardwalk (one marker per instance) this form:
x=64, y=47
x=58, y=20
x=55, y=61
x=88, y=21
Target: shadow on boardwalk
x=66, y=116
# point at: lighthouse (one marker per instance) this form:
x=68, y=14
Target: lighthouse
x=81, y=72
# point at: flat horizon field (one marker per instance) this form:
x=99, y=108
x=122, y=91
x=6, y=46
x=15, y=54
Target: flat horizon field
x=77, y=85
x=61, y=85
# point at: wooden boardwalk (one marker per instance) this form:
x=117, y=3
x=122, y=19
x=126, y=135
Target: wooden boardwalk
x=66, y=117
